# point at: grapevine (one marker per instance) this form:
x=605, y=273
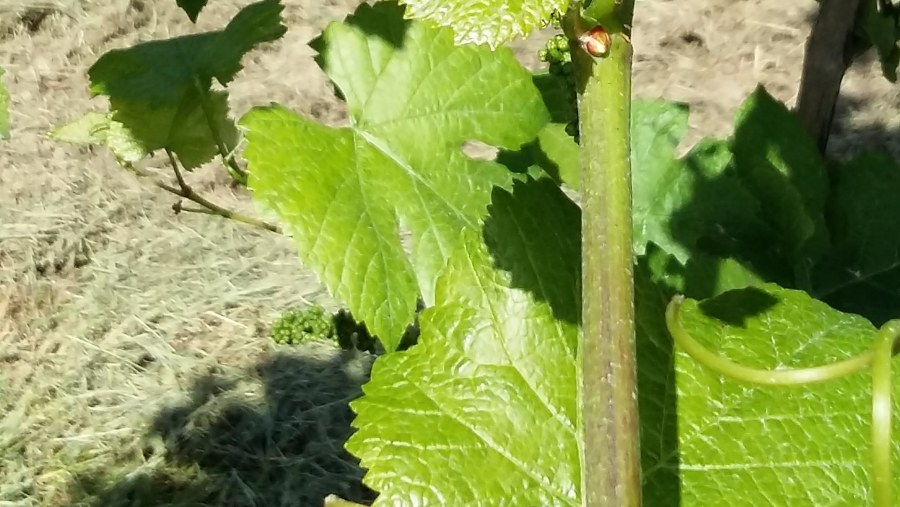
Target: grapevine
x=545, y=313
x=302, y=326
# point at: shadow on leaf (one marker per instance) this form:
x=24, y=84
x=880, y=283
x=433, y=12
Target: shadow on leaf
x=735, y=307
x=534, y=234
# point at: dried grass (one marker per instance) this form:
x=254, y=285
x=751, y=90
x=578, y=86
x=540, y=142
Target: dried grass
x=114, y=313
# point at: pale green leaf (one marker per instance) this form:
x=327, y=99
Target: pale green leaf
x=484, y=410
x=492, y=22
x=347, y=194
x=745, y=445
x=158, y=90
x=101, y=129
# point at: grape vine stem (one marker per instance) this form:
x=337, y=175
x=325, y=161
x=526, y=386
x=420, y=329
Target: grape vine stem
x=611, y=460
x=239, y=174
x=207, y=207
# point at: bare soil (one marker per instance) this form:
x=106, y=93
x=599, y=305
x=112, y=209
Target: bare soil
x=135, y=364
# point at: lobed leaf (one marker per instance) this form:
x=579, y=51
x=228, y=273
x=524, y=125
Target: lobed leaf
x=495, y=371
x=694, y=208
x=681, y=203
x=491, y=22
x=782, y=167
x=492, y=384
x=160, y=91
x=753, y=206
x=347, y=194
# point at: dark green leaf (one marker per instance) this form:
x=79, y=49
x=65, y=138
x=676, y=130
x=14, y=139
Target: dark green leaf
x=880, y=30
x=782, y=167
x=694, y=207
x=861, y=274
x=192, y=8
x=704, y=275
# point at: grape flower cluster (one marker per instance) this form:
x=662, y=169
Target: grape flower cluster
x=559, y=59
x=315, y=323
x=304, y=325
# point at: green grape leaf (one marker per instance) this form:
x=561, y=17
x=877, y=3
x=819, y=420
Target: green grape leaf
x=745, y=445
x=690, y=207
x=160, y=90
x=880, y=29
x=657, y=390
x=557, y=146
x=346, y=194
x=493, y=380
x=101, y=129
x=703, y=276
x=192, y=8
x=781, y=166
x=861, y=273
x=553, y=151
x=491, y=22
x=695, y=205
x=4, y=109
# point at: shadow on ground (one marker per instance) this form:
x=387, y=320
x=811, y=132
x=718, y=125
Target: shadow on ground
x=274, y=438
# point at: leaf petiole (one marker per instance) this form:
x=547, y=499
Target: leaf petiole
x=239, y=174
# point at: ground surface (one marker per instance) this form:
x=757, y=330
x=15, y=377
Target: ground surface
x=135, y=368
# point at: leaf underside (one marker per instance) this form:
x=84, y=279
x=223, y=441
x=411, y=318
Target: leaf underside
x=491, y=22
x=101, y=129
x=349, y=195
x=157, y=89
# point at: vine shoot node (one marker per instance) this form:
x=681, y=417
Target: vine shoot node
x=596, y=42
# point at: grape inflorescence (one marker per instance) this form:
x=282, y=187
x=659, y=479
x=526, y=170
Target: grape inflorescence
x=558, y=56
x=301, y=326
